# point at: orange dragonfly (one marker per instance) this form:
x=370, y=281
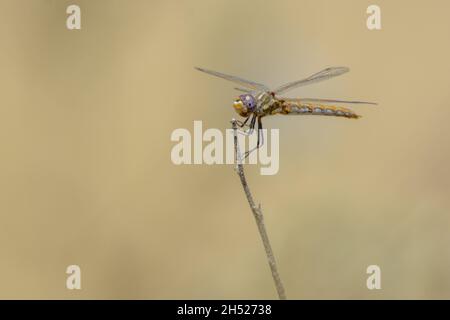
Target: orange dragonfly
x=258, y=100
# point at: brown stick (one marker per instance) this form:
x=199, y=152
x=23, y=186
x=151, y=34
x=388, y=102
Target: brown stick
x=257, y=213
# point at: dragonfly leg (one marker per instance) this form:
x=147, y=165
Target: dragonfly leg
x=251, y=127
x=260, y=132
x=260, y=140
x=241, y=124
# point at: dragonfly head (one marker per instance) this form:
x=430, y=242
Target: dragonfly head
x=245, y=104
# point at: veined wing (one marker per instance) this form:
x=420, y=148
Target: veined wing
x=325, y=74
x=245, y=83
x=243, y=90
x=320, y=101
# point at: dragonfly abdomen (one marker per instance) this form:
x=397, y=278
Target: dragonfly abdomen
x=289, y=108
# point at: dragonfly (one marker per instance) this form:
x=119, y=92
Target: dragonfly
x=258, y=101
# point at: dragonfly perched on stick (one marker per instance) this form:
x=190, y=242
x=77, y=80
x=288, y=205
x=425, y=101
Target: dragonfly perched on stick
x=258, y=100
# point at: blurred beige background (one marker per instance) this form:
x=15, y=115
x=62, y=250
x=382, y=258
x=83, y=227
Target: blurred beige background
x=86, y=175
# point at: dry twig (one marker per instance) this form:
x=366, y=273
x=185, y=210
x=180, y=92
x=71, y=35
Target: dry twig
x=257, y=213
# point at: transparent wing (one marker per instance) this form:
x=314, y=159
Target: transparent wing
x=314, y=100
x=243, y=90
x=325, y=74
x=245, y=83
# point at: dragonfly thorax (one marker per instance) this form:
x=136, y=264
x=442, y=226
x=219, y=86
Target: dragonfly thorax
x=266, y=102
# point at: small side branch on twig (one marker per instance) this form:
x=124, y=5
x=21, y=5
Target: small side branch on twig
x=258, y=215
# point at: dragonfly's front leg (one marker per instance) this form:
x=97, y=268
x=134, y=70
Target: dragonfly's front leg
x=251, y=126
x=260, y=140
x=241, y=124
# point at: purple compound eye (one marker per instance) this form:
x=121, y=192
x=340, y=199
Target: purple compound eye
x=248, y=101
